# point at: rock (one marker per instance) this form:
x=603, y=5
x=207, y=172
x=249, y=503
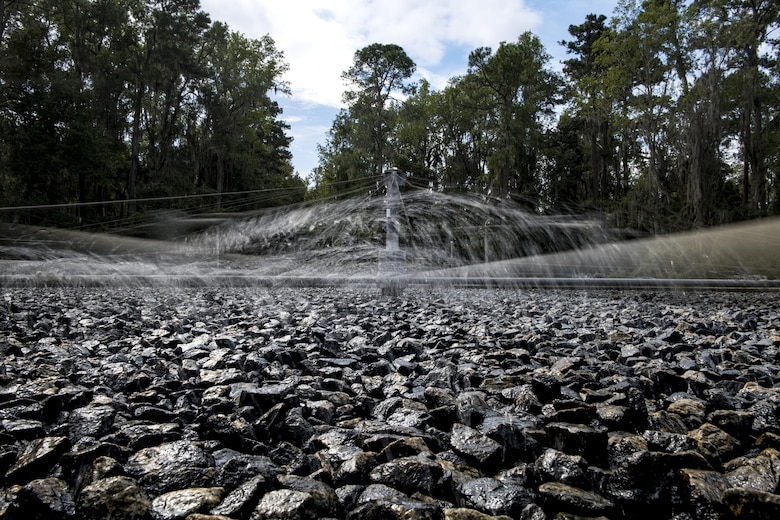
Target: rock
x=560, y=467
x=409, y=474
x=90, y=421
x=558, y=496
x=752, y=504
x=304, y=499
x=704, y=492
x=171, y=466
x=473, y=444
x=47, y=498
x=178, y=504
x=760, y=473
x=462, y=513
x=240, y=501
x=37, y=458
x=446, y=403
x=714, y=443
x=494, y=497
x=578, y=439
x=117, y=498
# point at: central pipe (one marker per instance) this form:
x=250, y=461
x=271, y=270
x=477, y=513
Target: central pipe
x=392, y=260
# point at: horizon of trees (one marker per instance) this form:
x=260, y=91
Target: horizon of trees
x=664, y=117
x=131, y=100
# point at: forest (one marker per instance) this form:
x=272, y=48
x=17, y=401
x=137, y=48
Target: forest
x=665, y=116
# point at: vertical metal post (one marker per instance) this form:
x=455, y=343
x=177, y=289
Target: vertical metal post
x=392, y=260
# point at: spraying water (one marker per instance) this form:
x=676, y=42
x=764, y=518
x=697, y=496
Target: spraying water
x=439, y=237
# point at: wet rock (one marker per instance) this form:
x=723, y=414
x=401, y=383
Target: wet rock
x=714, y=443
x=761, y=473
x=494, y=497
x=473, y=444
x=181, y=503
x=578, y=439
x=558, y=496
x=118, y=498
x=301, y=498
x=704, y=492
x=463, y=513
x=409, y=474
x=379, y=502
x=37, y=458
x=752, y=504
x=241, y=500
x=47, y=498
x=171, y=466
x=440, y=405
x=561, y=467
x=90, y=421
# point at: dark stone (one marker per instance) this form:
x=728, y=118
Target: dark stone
x=751, y=504
x=495, y=497
x=37, y=458
x=233, y=468
x=557, y=496
x=561, y=467
x=473, y=444
x=47, y=498
x=171, y=466
x=704, y=492
x=410, y=474
x=579, y=439
x=241, y=500
x=299, y=498
x=118, y=498
x=181, y=503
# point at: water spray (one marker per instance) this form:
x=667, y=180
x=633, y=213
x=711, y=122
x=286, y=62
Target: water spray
x=392, y=259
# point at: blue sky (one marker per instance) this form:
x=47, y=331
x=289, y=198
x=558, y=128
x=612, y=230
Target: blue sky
x=319, y=39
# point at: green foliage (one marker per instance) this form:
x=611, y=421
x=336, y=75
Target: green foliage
x=112, y=99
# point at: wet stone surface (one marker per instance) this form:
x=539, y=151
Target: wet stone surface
x=164, y=403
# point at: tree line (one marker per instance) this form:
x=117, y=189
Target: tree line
x=106, y=100
x=664, y=117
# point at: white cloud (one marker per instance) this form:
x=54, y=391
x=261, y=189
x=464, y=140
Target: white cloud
x=319, y=38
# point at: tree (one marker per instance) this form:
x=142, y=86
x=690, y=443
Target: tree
x=379, y=71
x=640, y=66
x=241, y=131
x=590, y=109
x=417, y=142
x=745, y=27
x=522, y=92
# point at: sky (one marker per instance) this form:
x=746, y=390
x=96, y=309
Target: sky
x=319, y=39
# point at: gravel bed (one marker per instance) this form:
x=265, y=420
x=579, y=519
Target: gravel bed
x=165, y=403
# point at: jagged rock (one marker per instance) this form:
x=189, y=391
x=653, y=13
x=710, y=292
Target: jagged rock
x=47, y=498
x=751, y=504
x=704, y=492
x=171, y=466
x=714, y=443
x=561, y=467
x=240, y=501
x=761, y=473
x=558, y=496
x=409, y=474
x=37, y=458
x=462, y=513
x=473, y=444
x=494, y=497
x=178, y=504
x=117, y=498
x=456, y=404
x=302, y=499
x=578, y=439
